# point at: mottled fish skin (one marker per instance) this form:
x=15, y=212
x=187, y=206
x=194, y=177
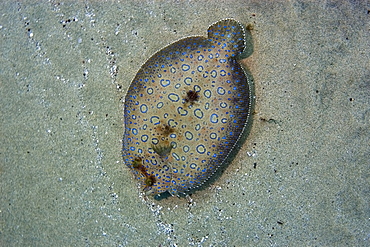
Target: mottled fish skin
x=185, y=110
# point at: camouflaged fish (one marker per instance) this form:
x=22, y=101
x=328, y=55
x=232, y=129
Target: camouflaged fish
x=186, y=110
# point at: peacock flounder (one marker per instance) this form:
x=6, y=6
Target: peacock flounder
x=187, y=109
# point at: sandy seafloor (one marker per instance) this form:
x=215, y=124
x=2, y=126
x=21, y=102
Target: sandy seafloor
x=300, y=179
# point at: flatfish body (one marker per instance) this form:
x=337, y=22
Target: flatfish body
x=186, y=109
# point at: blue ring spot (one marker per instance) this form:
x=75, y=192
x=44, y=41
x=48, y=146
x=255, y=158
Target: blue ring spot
x=220, y=90
x=143, y=108
x=188, y=135
x=198, y=113
x=144, y=138
x=134, y=131
x=214, y=118
x=155, y=141
x=207, y=93
x=188, y=81
x=154, y=120
x=176, y=156
x=201, y=149
x=173, y=97
x=182, y=111
x=154, y=162
x=165, y=83
x=185, y=67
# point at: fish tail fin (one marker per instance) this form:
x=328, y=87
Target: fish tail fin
x=228, y=34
